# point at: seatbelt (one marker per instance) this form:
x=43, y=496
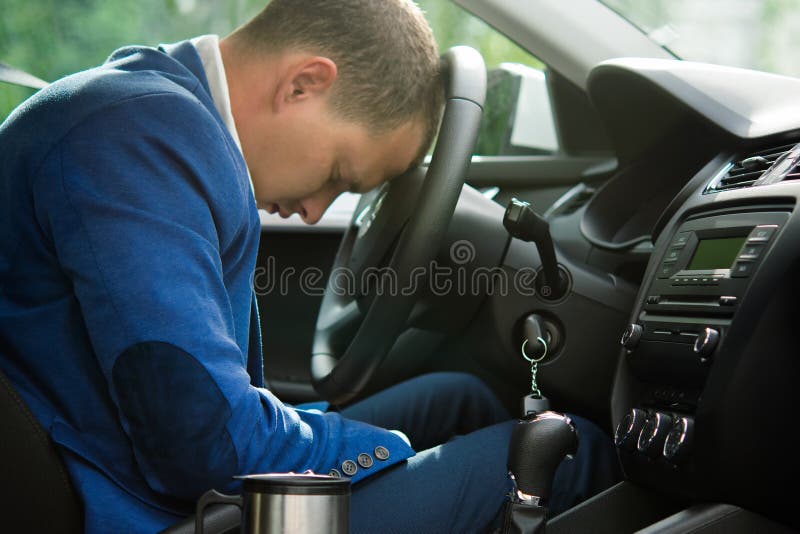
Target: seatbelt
x=14, y=76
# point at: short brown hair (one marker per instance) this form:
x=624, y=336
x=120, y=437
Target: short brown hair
x=384, y=50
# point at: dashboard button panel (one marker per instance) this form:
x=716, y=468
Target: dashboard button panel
x=672, y=255
x=762, y=233
x=751, y=251
x=666, y=269
x=711, y=256
x=681, y=240
x=743, y=268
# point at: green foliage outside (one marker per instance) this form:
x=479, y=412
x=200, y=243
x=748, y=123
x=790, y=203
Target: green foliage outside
x=53, y=38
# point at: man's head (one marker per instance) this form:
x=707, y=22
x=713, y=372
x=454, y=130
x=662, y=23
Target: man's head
x=330, y=96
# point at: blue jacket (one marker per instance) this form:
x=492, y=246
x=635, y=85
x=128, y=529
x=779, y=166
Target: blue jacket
x=128, y=240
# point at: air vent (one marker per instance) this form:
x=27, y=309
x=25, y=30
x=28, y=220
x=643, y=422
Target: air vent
x=760, y=168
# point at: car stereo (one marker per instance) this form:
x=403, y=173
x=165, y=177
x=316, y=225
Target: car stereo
x=698, y=285
x=707, y=266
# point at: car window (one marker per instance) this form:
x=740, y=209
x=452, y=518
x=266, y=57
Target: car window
x=53, y=38
x=518, y=118
x=757, y=34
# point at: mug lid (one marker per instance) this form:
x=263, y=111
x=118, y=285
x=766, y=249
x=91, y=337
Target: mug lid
x=295, y=484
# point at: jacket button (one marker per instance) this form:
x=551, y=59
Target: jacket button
x=365, y=460
x=349, y=468
x=381, y=453
x=334, y=473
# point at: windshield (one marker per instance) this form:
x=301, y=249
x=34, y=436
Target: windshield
x=754, y=34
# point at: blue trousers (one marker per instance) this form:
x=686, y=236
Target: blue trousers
x=459, y=479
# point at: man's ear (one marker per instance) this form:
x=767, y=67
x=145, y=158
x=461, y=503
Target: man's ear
x=305, y=79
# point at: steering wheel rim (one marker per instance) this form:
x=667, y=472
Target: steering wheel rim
x=406, y=221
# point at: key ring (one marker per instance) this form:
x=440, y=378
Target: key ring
x=534, y=360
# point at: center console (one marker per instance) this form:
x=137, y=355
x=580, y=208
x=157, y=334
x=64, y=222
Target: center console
x=705, y=378
x=700, y=280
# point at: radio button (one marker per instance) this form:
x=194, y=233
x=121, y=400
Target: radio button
x=681, y=240
x=631, y=336
x=706, y=343
x=672, y=254
x=751, y=251
x=743, y=269
x=666, y=269
x=727, y=301
x=762, y=233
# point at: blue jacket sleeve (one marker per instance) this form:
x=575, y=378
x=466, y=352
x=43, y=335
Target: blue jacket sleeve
x=152, y=222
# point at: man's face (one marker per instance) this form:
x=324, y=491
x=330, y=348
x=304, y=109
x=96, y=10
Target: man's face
x=315, y=156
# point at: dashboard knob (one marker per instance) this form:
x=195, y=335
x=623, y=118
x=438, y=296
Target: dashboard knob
x=631, y=336
x=706, y=342
x=628, y=429
x=679, y=440
x=653, y=433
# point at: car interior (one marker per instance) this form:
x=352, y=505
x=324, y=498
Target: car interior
x=658, y=285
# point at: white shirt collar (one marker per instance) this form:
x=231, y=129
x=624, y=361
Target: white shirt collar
x=208, y=49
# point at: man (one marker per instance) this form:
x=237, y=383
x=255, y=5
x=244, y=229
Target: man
x=130, y=232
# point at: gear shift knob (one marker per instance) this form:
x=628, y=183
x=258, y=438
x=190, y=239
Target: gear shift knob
x=536, y=449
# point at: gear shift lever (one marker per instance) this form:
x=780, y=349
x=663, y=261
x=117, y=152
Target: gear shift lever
x=537, y=447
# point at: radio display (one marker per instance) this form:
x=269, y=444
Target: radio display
x=716, y=253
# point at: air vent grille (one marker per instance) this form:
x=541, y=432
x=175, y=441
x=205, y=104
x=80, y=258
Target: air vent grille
x=760, y=168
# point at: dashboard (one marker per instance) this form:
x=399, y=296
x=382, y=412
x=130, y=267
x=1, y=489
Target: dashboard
x=706, y=187
x=706, y=384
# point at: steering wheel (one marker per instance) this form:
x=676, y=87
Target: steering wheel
x=395, y=232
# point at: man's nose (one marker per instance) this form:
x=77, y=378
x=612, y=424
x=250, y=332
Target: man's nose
x=311, y=216
x=313, y=208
